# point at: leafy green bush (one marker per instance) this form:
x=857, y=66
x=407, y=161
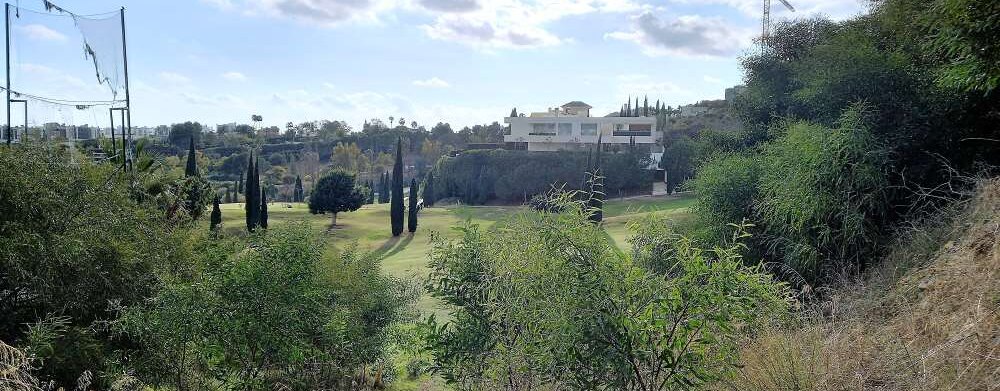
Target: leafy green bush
x=273, y=311
x=545, y=300
x=72, y=244
x=823, y=196
x=726, y=189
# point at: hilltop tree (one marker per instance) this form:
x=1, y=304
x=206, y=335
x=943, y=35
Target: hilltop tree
x=334, y=193
x=192, y=163
x=645, y=106
x=411, y=221
x=216, y=217
x=396, y=202
x=513, y=112
x=429, y=190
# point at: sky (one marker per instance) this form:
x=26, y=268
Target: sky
x=463, y=62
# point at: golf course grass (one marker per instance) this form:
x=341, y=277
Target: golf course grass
x=405, y=256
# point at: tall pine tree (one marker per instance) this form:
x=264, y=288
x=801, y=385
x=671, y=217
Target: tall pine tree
x=411, y=221
x=216, y=218
x=251, y=205
x=396, y=202
x=429, y=190
x=262, y=221
x=192, y=162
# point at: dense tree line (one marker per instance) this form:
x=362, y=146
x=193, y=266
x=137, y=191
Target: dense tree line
x=477, y=177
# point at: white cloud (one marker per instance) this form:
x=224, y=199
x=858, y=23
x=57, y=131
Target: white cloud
x=835, y=9
x=174, y=78
x=485, y=24
x=516, y=23
x=712, y=79
x=234, y=76
x=450, y=5
x=642, y=85
x=688, y=35
x=41, y=33
x=319, y=12
x=433, y=82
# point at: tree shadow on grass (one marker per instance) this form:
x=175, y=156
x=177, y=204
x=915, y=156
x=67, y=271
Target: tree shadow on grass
x=394, y=245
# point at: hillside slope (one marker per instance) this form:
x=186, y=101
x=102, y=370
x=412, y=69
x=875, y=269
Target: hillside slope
x=934, y=327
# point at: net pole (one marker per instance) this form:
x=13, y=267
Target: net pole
x=127, y=121
x=114, y=148
x=6, y=25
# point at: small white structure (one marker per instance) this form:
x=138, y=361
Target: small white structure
x=570, y=127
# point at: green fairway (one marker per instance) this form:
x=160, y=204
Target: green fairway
x=405, y=256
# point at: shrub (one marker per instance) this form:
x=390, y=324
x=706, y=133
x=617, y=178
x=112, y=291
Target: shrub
x=544, y=300
x=72, y=243
x=265, y=313
x=823, y=196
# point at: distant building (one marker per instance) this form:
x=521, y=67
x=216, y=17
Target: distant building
x=692, y=110
x=733, y=92
x=570, y=127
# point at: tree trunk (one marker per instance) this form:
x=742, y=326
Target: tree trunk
x=333, y=221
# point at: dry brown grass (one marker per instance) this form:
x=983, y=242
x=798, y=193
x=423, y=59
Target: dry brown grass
x=913, y=324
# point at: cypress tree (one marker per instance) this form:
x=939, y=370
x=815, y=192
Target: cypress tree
x=263, y=209
x=216, y=217
x=239, y=184
x=645, y=106
x=513, y=112
x=192, y=163
x=411, y=221
x=429, y=190
x=248, y=197
x=298, y=194
x=371, y=192
x=229, y=195
x=635, y=113
x=396, y=202
x=386, y=191
x=379, y=187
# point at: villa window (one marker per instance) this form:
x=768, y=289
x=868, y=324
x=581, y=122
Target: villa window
x=588, y=129
x=543, y=129
x=565, y=129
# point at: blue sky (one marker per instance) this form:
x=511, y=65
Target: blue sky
x=457, y=61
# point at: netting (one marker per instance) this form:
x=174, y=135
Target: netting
x=69, y=70
x=62, y=55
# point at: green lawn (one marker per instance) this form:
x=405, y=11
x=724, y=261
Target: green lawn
x=406, y=256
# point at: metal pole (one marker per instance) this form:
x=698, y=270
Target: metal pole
x=127, y=121
x=114, y=149
x=124, y=146
x=6, y=18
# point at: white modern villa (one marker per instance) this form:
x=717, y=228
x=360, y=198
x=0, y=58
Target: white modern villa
x=570, y=127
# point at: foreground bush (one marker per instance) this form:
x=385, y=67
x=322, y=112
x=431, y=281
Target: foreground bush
x=817, y=195
x=266, y=314
x=545, y=300
x=73, y=245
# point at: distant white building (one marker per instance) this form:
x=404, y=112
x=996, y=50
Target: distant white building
x=691, y=110
x=570, y=127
